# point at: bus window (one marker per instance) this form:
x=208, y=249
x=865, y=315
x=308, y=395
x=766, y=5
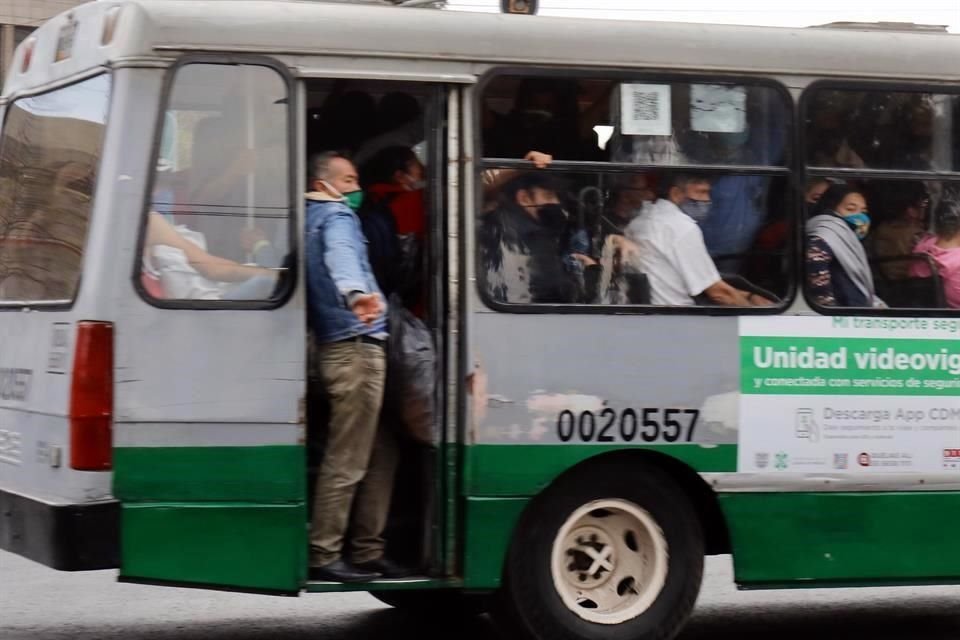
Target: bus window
x=677, y=198
x=49, y=156
x=897, y=130
x=219, y=224
x=877, y=240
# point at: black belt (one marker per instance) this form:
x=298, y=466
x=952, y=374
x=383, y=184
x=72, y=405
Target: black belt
x=370, y=340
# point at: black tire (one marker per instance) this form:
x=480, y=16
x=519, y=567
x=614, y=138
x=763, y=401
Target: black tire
x=435, y=602
x=528, y=604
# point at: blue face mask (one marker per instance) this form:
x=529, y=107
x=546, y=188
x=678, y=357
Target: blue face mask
x=696, y=209
x=860, y=223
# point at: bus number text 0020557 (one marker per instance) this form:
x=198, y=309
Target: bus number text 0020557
x=650, y=424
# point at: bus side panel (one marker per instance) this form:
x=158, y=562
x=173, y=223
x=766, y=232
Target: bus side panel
x=604, y=380
x=258, y=546
x=798, y=539
x=505, y=475
x=544, y=403
x=511, y=470
x=213, y=515
x=489, y=525
x=209, y=456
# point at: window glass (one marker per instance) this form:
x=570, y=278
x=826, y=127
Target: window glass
x=896, y=130
x=883, y=243
x=643, y=122
x=643, y=238
x=49, y=154
x=689, y=227
x=220, y=212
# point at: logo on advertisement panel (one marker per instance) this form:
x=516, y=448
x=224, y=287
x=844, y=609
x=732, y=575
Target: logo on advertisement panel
x=761, y=459
x=841, y=461
x=781, y=460
x=951, y=459
x=864, y=459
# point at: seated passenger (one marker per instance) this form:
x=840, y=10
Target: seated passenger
x=837, y=270
x=669, y=249
x=944, y=248
x=175, y=258
x=526, y=246
x=901, y=228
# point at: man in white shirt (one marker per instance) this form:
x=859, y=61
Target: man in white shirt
x=669, y=248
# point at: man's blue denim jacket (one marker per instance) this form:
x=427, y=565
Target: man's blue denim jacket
x=337, y=263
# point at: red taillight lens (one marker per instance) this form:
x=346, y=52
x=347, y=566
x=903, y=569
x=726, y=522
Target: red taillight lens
x=28, y=46
x=91, y=398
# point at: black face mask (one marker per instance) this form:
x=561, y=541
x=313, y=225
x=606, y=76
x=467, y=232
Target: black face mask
x=552, y=216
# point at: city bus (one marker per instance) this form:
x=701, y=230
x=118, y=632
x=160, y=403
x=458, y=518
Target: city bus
x=588, y=443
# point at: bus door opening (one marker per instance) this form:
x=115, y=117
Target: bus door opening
x=374, y=360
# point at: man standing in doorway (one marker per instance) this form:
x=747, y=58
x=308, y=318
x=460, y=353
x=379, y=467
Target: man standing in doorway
x=347, y=318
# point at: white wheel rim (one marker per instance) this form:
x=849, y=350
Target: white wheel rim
x=609, y=561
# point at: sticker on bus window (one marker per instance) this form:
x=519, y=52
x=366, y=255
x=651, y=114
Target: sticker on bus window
x=65, y=40
x=718, y=108
x=645, y=109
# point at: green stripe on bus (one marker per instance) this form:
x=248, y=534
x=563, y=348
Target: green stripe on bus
x=268, y=474
x=801, y=539
x=259, y=546
x=490, y=525
x=524, y=470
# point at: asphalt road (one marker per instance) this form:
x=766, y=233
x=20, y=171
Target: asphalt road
x=37, y=603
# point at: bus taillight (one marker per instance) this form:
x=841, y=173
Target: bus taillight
x=91, y=398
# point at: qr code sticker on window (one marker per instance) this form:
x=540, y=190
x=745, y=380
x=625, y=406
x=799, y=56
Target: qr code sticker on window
x=646, y=105
x=645, y=109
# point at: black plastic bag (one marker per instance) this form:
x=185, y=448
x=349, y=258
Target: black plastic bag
x=411, y=374
x=409, y=269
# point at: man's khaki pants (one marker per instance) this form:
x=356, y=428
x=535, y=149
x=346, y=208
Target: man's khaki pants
x=360, y=458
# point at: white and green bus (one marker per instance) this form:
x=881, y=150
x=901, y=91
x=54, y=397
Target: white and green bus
x=157, y=414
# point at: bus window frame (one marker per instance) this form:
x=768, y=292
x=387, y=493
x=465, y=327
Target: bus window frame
x=292, y=274
x=9, y=101
x=805, y=172
x=788, y=170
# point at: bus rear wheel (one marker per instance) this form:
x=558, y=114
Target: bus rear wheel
x=612, y=555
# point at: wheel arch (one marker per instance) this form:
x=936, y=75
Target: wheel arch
x=702, y=497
